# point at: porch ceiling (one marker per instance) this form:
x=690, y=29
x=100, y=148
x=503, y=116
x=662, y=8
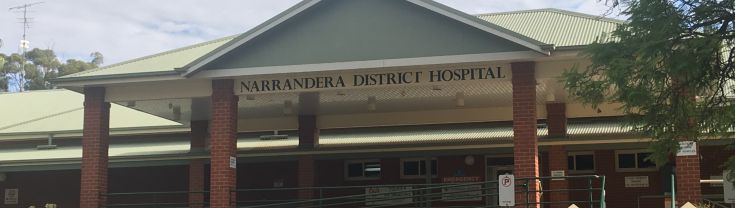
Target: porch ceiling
x=482, y=94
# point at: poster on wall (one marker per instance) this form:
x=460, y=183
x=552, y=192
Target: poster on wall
x=396, y=195
x=636, y=182
x=11, y=196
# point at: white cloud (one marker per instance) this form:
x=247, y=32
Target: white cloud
x=128, y=29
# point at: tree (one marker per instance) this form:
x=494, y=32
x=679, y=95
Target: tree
x=3, y=77
x=672, y=68
x=35, y=70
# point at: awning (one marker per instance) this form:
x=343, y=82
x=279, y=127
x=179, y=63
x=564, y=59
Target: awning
x=428, y=135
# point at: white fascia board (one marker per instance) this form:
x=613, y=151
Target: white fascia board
x=480, y=26
x=485, y=57
x=193, y=68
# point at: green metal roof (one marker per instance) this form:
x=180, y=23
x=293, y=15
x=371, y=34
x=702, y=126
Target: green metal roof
x=554, y=26
x=549, y=26
x=163, y=62
x=61, y=111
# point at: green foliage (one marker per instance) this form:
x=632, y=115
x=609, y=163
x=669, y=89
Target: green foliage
x=671, y=66
x=35, y=70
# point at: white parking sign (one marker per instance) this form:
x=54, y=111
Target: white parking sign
x=506, y=190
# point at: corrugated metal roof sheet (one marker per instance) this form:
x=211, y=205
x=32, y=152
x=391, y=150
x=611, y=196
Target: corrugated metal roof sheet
x=554, y=26
x=62, y=111
x=550, y=26
x=75, y=152
x=440, y=134
x=166, y=61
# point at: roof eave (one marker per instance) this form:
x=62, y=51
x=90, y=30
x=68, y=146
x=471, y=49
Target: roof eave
x=114, y=78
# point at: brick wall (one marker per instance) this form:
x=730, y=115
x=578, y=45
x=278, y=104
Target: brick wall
x=557, y=160
x=525, y=143
x=40, y=187
x=688, y=188
x=95, y=145
x=223, y=131
x=263, y=175
x=711, y=165
x=196, y=166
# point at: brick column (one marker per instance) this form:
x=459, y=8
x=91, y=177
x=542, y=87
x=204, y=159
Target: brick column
x=223, y=144
x=95, y=145
x=525, y=144
x=308, y=140
x=558, y=161
x=196, y=166
x=556, y=119
x=688, y=187
x=306, y=177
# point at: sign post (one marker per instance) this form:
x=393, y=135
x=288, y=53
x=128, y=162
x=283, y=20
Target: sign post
x=506, y=191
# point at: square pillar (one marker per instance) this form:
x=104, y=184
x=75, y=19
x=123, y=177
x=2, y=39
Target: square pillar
x=223, y=143
x=95, y=144
x=308, y=140
x=558, y=162
x=196, y=166
x=688, y=187
x=525, y=143
x=556, y=119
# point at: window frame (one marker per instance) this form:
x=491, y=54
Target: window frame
x=419, y=176
x=575, y=154
x=637, y=167
x=346, y=170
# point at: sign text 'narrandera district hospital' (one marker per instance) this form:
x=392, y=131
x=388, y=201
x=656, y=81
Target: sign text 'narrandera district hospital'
x=371, y=79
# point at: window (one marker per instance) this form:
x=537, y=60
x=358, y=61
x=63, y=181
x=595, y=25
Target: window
x=581, y=162
x=362, y=170
x=633, y=160
x=416, y=168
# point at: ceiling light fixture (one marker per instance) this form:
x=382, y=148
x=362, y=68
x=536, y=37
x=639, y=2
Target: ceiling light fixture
x=177, y=113
x=371, y=103
x=287, y=107
x=459, y=99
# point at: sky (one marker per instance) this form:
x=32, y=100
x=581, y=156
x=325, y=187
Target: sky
x=127, y=29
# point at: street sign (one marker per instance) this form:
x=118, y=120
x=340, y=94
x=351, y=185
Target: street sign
x=729, y=188
x=687, y=148
x=506, y=190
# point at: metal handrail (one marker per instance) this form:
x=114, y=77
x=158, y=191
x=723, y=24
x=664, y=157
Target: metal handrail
x=421, y=194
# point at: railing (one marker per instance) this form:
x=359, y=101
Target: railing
x=166, y=199
x=474, y=194
x=483, y=194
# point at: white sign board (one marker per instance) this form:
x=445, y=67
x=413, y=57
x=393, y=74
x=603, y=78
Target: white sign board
x=557, y=173
x=403, y=195
x=233, y=162
x=11, y=196
x=506, y=190
x=687, y=148
x=636, y=182
x=729, y=189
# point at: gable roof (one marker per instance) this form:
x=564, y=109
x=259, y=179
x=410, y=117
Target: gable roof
x=305, y=5
x=554, y=26
x=62, y=111
x=546, y=26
